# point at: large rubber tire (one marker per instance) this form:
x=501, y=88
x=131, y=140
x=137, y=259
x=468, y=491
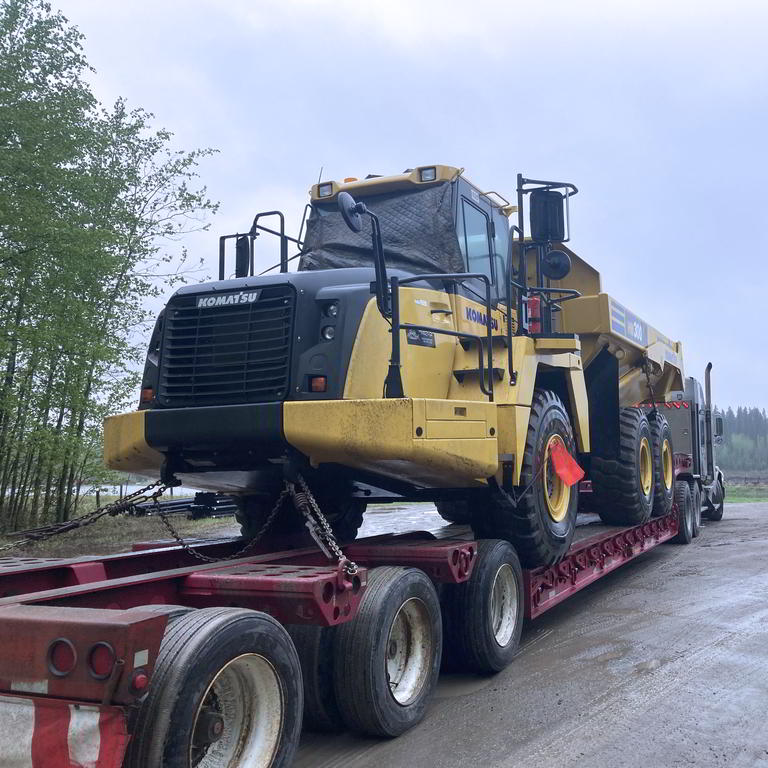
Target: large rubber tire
x=623, y=486
x=663, y=465
x=454, y=511
x=483, y=617
x=236, y=649
x=344, y=514
x=684, y=503
x=696, y=502
x=541, y=524
x=387, y=659
x=314, y=644
x=715, y=513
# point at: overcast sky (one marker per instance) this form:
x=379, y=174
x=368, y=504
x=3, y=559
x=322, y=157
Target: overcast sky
x=657, y=111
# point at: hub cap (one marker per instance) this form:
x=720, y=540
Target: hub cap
x=410, y=651
x=646, y=466
x=504, y=605
x=556, y=493
x=239, y=721
x=666, y=463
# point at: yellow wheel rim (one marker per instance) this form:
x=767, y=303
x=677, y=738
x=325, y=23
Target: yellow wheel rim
x=556, y=493
x=666, y=463
x=646, y=466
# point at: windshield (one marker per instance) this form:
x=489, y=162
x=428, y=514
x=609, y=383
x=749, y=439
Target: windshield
x=417, y=230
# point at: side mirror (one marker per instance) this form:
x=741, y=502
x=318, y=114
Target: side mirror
x=242, y=256
x=547, y=216
x=718, y=426
x=556, y=264
x=350, y=211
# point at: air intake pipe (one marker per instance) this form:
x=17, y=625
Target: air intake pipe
x=708, y=423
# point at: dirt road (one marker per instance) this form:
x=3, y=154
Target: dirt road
x=663, y=663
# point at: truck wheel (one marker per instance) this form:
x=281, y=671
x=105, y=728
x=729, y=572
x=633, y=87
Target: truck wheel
x=684, y=503
x=387, y=659
x=623, y=486
x=696, y=502
x=226, y=693
x=718, y=503
x=541, y=523
x=483, y=617
x=454, y=511
x=663, y=463
x=344, y=515
x=314, y=644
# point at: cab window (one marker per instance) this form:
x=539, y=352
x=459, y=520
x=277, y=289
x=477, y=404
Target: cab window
x=472, y=230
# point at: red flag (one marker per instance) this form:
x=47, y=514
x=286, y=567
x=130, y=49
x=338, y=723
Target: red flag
x=566, y=466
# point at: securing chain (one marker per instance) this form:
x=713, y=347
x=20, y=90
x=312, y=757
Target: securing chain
x=646, y=370
x=35, y=535
x=305, y=504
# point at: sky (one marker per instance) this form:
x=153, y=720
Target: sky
x=657, y=111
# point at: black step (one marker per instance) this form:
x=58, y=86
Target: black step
x=468, y=343
x=462, y=373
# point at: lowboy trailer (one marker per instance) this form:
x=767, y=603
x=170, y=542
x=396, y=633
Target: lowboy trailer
x=156, y=658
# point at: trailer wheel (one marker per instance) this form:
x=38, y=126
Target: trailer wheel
x=684, y=503
x=454, y=511
x=623, y=486
x=663, y=462
x=541, y=522
x=226, y=693
x=387, y=659
x=314, y=644
x=483, y=617
x=696, y=502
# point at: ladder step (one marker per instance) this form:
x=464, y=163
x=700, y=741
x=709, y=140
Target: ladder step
x=462, y=373
x=469, y=343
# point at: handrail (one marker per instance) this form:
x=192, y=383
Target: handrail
x=393, y=384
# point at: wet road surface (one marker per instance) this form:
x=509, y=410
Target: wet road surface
x=662, y=663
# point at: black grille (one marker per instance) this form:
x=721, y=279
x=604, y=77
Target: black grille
x=223, y=355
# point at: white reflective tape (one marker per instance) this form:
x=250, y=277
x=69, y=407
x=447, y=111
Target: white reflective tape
x=29, y=686
x=84, y=736
x=141, y=658
x=17, y=725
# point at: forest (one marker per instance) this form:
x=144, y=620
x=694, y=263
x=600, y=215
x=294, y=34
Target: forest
x=745, y=442
x=93, y=198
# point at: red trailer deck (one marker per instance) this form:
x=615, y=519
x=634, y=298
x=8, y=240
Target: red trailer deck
x=80, y=637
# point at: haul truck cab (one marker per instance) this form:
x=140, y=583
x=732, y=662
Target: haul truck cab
x=425, y=349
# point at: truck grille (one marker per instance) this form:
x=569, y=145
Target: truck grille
x=223, y=355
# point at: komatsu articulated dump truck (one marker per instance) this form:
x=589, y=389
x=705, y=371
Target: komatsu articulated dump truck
x=431, y=346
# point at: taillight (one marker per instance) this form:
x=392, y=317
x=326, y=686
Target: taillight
x=140, y=680
x=62, y=657
x=101, y=660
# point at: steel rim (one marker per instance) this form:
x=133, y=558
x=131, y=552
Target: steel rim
x=666, y=463
x=646, y=470
x=504, y=606
x=556, y=493
x=239, y=721
x=410, y=651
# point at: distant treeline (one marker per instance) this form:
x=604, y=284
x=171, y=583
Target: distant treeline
x=88, y=196
x=745, y=442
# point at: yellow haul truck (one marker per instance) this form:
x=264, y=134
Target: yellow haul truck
x=426, y=349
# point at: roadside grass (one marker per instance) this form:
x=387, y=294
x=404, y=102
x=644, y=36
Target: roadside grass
x=746, y=493
x=118, y=534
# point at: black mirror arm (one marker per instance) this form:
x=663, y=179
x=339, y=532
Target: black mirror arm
x=383, y=301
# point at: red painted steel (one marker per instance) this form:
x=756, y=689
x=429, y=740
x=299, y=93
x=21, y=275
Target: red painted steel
x=590, y=559
x=293, y=594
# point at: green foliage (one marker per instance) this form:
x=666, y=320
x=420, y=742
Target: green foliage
x=91, y=201
x=745, y=442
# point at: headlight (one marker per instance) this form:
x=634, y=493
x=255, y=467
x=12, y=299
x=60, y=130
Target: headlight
x=428, y=174
x=325, y=190
x=332, y=309
x=328, y=332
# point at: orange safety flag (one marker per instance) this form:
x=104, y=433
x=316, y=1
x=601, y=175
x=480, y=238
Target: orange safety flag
x=566, y=466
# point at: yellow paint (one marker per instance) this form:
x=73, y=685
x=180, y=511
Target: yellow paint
x=125, y=445
x=666, y=464
x=398, y=437
x=646, y=466
x=556, y=493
